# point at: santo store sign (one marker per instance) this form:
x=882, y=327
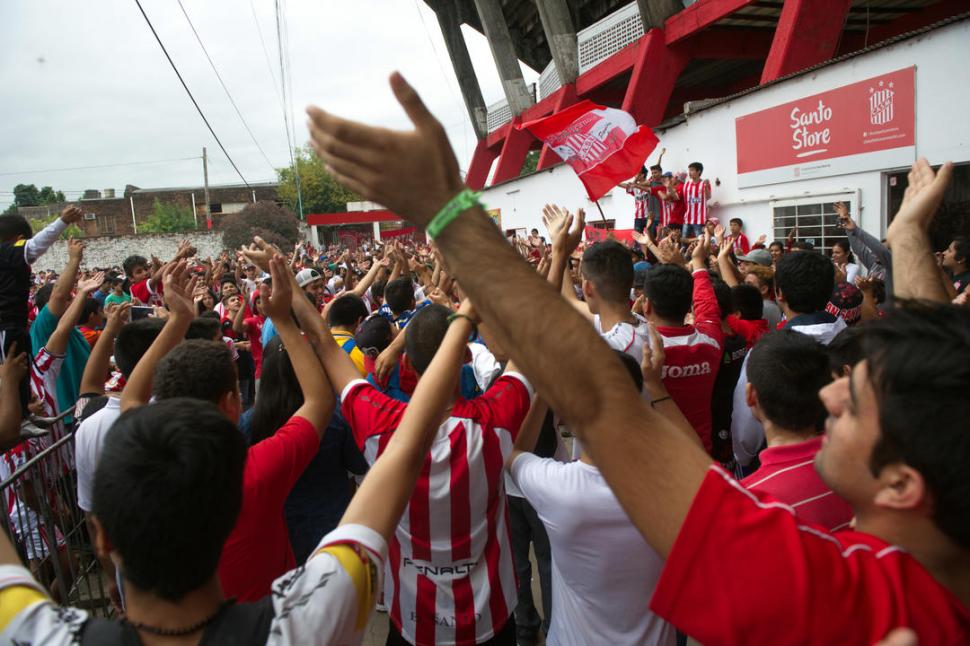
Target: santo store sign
x=869, y=125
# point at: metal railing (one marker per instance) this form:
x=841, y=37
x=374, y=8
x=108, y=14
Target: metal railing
x=49, y=530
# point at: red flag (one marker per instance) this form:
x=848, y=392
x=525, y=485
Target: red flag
x=603, y=145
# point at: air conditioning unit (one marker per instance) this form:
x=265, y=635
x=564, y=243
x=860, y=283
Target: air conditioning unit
x=90, y=216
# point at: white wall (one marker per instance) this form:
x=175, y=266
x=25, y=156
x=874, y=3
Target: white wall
x=942, y=133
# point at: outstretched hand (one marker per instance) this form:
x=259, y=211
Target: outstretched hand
x=276, y=303
x=922, y=197
x=179, y=284
x=89, y=285
x=71, y=214
x=361, y=157
x=565, y=230
x=260, y=252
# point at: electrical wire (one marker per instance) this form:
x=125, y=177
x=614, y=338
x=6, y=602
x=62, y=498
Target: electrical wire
x=223, y=84
x=287, y=116
x=59, y=170
x=269, y=65
x=189, y=92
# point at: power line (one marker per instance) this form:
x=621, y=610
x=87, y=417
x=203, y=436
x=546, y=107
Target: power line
x=287, y=116
x=189, y=92
x=222, y=83
x=59, y=170
x=269, y=66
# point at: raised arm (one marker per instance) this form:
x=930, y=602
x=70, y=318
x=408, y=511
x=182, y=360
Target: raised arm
x=42, y=241
x=57, y=342
x=529, y=432
x=729, y=271
x=99, y=363
x=655, y=473
x=381, y=499
x=915, y=274
x=61, y=292
x=178, y=297
x=318, y=398
x=364, y=283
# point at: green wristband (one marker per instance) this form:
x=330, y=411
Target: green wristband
x=455, y=207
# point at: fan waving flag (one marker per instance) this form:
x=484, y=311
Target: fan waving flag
x=603, y=145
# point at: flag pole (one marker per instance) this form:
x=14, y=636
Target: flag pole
x=597, y=203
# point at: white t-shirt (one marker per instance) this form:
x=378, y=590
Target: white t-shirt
x=624, y=337
x=88, y=442
x=603, y=571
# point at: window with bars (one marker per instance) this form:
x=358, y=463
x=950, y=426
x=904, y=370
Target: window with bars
x=106, y=225
x=813, y=218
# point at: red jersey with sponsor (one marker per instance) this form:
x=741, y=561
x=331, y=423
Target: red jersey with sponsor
x=741, y=244
x=694, y=196
x=450, y=578
x=787, y=474
x=693, y=355
x=640, y=198
x=799, y=583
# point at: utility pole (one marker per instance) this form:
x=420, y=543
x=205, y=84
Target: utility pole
x=205, y=178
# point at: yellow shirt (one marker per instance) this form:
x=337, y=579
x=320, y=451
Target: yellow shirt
x=342, y=338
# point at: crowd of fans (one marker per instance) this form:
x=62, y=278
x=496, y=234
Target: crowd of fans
x=694, y=436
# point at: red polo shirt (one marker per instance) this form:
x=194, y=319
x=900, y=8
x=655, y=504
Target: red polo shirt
x=787, y=474
x=798, y=582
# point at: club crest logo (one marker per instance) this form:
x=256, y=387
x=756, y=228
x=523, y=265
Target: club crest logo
x=881, y=103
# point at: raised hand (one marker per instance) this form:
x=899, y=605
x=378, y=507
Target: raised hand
x=179, y=285
x=560, y=224
x=719, y=232
x=118, y=315
x=90, y=284
x=762, y=239
x=14, y=368
x=276, y=303
x=361, y=157
x=922, y=197
x=653, y=362
x=71, y=214
x=75, y=249
x=866, y=285
x=640, y=238
x=439, y=297
x=842, y=211
x=725, y=249
x=260, y=252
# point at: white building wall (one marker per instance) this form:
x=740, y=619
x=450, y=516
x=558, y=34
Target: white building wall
x=942, y=133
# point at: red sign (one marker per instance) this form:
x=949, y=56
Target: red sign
x=863, y=126
x=595, y=234
x=603, y=145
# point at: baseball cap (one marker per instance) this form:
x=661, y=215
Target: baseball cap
x=757, y=256
x=668, y=174
x=307, y=276
x=846, y=303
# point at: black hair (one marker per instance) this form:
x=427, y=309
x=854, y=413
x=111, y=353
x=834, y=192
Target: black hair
x=786, y=370
x=172, y=465
x=279, y=394
x=43, y=295
x=699, y=167
x=207, y=328
x=670, y=290
x=846, y=349
x=377, y=290
x=374, y=335
x=132, y=262
x=200, y=308
x=346, y=311
x=91, y=307
x=961, y=248
x=747, y=301
x=722, y=292
x=738, y=220
x=199, y=369
x=803, y=245
x=14, y=226
x=805, y=281
x=399, y=295
x=133, y=341
x=608, y=265
x=918, y=369
x=424, y=333
x=632, y=367
x=656, y=167
x=844, y=245
x=777, y=243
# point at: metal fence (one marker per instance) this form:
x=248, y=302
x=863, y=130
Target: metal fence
x=49, y=530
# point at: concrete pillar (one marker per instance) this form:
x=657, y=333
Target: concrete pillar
x=503, y=51
x=654, y=13
x=561, y=35
x=461, y=62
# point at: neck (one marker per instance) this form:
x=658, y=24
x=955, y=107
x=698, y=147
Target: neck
x=784, y=436
x=662, y=322
x=947, y=563
x=198, y=605
x=613, y=313
x=787, y=311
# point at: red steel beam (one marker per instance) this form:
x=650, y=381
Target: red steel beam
x=565, y=97
x=516, y=147
x=807, y=34
x=731, y=44
x=653, y=78
x=698, y=16
x=481, y=163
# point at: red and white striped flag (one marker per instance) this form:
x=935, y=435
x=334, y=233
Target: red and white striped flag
x=603, y=145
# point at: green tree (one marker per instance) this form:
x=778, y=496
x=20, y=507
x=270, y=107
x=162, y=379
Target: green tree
x=38, y=224
x=26, y=195
x=321, y=192
x=48, y=195
x=265, y=219
x=531, y=163
x=168, y=217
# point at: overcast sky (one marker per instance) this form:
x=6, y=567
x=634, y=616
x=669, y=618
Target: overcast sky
x=85, y=84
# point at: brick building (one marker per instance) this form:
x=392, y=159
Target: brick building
x=108, y=215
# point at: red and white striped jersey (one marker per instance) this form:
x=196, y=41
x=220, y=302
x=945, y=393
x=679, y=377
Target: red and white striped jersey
x=640, y=198
x=450, y=578
x=44, y=372
x=696, y=201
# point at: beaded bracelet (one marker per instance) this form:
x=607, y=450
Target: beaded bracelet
x=457, y=205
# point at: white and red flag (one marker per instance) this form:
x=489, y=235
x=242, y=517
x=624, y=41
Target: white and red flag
x=603, y=145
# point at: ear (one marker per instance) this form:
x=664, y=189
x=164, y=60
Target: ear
x=751, y=398
x=778, y=295
x=230, y=405
x=102, y=544
x=647, y=307
x=902, y=487
x=588, y=290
